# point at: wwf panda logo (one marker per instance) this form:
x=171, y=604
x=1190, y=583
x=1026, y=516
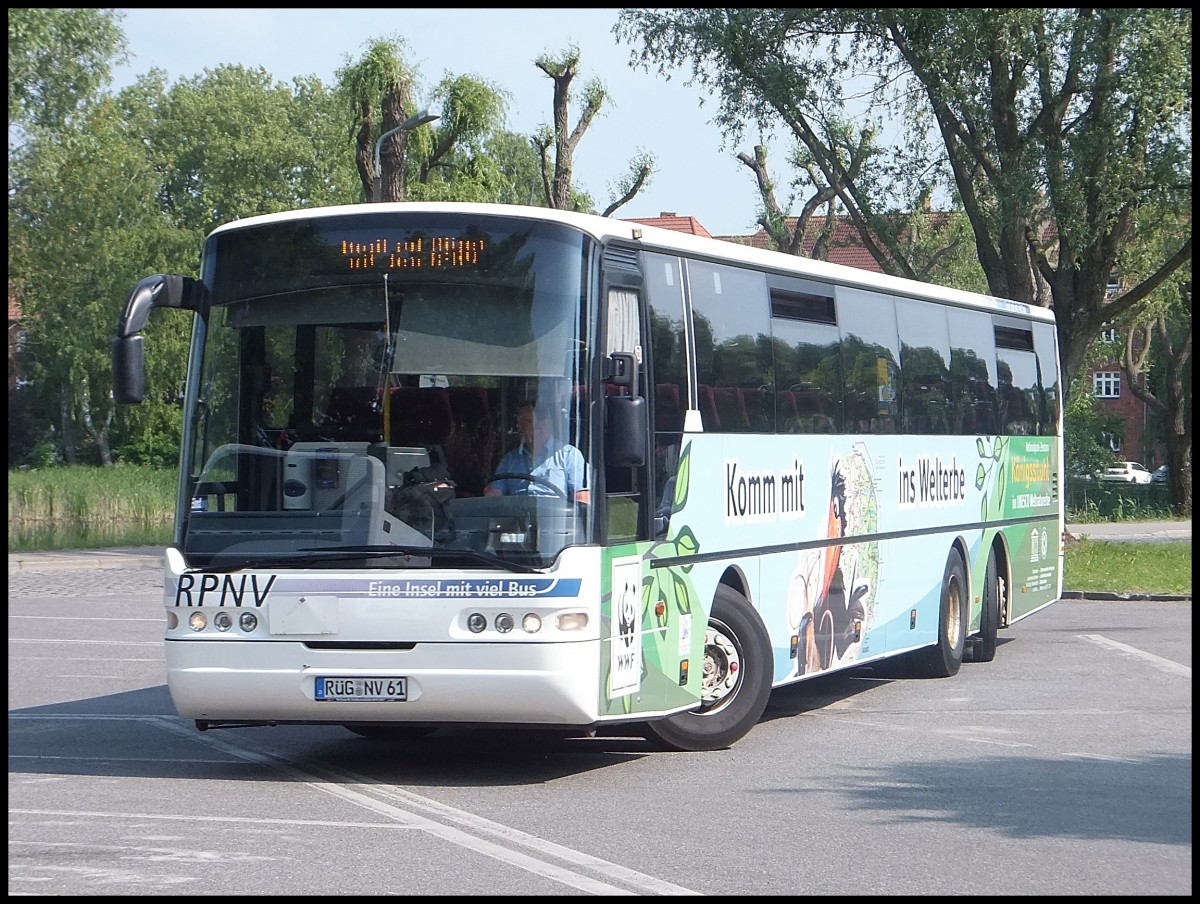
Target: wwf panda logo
x=627, y=613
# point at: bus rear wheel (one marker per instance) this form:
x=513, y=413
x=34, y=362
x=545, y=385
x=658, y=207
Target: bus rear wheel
x=943, y=659
x=735, y=685
x=983, y=647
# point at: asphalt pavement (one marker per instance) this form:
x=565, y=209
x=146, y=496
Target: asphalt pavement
x=152, y=556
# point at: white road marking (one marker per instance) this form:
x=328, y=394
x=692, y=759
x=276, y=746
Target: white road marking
x=416, y=812
x=1158, y=662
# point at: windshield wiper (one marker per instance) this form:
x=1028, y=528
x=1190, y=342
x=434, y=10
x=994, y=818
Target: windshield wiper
x=425, y=552
x=339, y=553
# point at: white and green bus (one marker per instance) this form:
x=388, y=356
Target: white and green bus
x=780, y=468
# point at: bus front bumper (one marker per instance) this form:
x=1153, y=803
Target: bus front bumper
x=542, y=684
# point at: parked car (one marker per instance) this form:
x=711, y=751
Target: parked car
x=1126, y=472
x=1160, y=475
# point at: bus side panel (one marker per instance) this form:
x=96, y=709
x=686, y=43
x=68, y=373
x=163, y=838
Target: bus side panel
x=1022, y=478
x=651, y=633
x=842, y=542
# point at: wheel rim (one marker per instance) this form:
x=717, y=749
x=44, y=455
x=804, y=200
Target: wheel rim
x=954, y=597
x=722, y=667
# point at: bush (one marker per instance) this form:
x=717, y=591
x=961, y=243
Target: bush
x=1089, y=500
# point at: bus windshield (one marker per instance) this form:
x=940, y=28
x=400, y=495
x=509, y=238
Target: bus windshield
x=391, y=391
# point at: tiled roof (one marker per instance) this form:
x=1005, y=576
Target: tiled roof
x=674, y=222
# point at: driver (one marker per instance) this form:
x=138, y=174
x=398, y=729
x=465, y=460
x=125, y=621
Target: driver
x=542, y=455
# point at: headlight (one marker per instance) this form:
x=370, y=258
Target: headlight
x=198, y=621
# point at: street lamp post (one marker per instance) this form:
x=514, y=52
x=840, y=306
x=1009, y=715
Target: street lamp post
x=417, y=119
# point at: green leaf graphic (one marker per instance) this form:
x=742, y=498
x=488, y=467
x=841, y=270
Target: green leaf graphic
x=683, y=595
x=980, y=476
x=682, y=475
x=648, y=585
x=686, y=544
x=981, y=447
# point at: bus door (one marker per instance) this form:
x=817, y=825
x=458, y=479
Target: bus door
x=627, y=512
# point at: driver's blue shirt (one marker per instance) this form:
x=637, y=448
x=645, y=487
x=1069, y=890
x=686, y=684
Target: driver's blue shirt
x=558, y=463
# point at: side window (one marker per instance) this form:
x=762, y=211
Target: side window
x=732, y=323
x=972, y=371
x=925, y=364
x=808, y=364
x=870, y=360
x=1045, y=341
x=1018, y=389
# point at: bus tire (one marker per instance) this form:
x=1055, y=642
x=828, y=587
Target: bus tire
x=943, y=659
x=737, y=648
x=386, y=731
x=983, y=647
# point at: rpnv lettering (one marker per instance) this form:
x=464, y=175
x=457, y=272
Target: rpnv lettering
x=222, y=590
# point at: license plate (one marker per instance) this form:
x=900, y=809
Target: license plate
x=390, y=688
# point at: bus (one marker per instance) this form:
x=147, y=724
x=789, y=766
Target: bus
x=789, y=468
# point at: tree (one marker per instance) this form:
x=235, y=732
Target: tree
x=1053, y=127
x=379, y=87
x=1169, y=338
x=1156, y=356
x=471, y=109
x=81, y=234
x=233, y=143
x=455, y=164
x=557, y=168
x=58, y=60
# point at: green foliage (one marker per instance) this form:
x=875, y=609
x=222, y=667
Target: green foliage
x=58, y=60
x=1089, y=501
x=232, y=143
x=81, y=234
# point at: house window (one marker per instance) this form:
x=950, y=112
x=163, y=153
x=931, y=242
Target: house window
x=1107, y=384
x=1108, y=335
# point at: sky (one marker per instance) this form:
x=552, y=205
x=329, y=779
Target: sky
x=695, y=175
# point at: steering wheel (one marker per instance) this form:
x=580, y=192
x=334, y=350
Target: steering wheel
x=514, y=475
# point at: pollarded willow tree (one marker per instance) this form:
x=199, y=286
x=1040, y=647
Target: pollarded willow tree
x=557, y=167
x=441, y=160
x=1048, y=128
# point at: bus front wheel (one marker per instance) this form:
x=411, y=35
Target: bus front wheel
x=942, y=660
x=735, y=685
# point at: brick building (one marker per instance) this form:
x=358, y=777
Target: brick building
x=1113, y=396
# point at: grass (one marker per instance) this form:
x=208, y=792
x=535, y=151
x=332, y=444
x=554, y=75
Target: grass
x=89, y=508
x=1103, y=565
x=85, y=507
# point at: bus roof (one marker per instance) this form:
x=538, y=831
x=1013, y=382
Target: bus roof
x=654, y=238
